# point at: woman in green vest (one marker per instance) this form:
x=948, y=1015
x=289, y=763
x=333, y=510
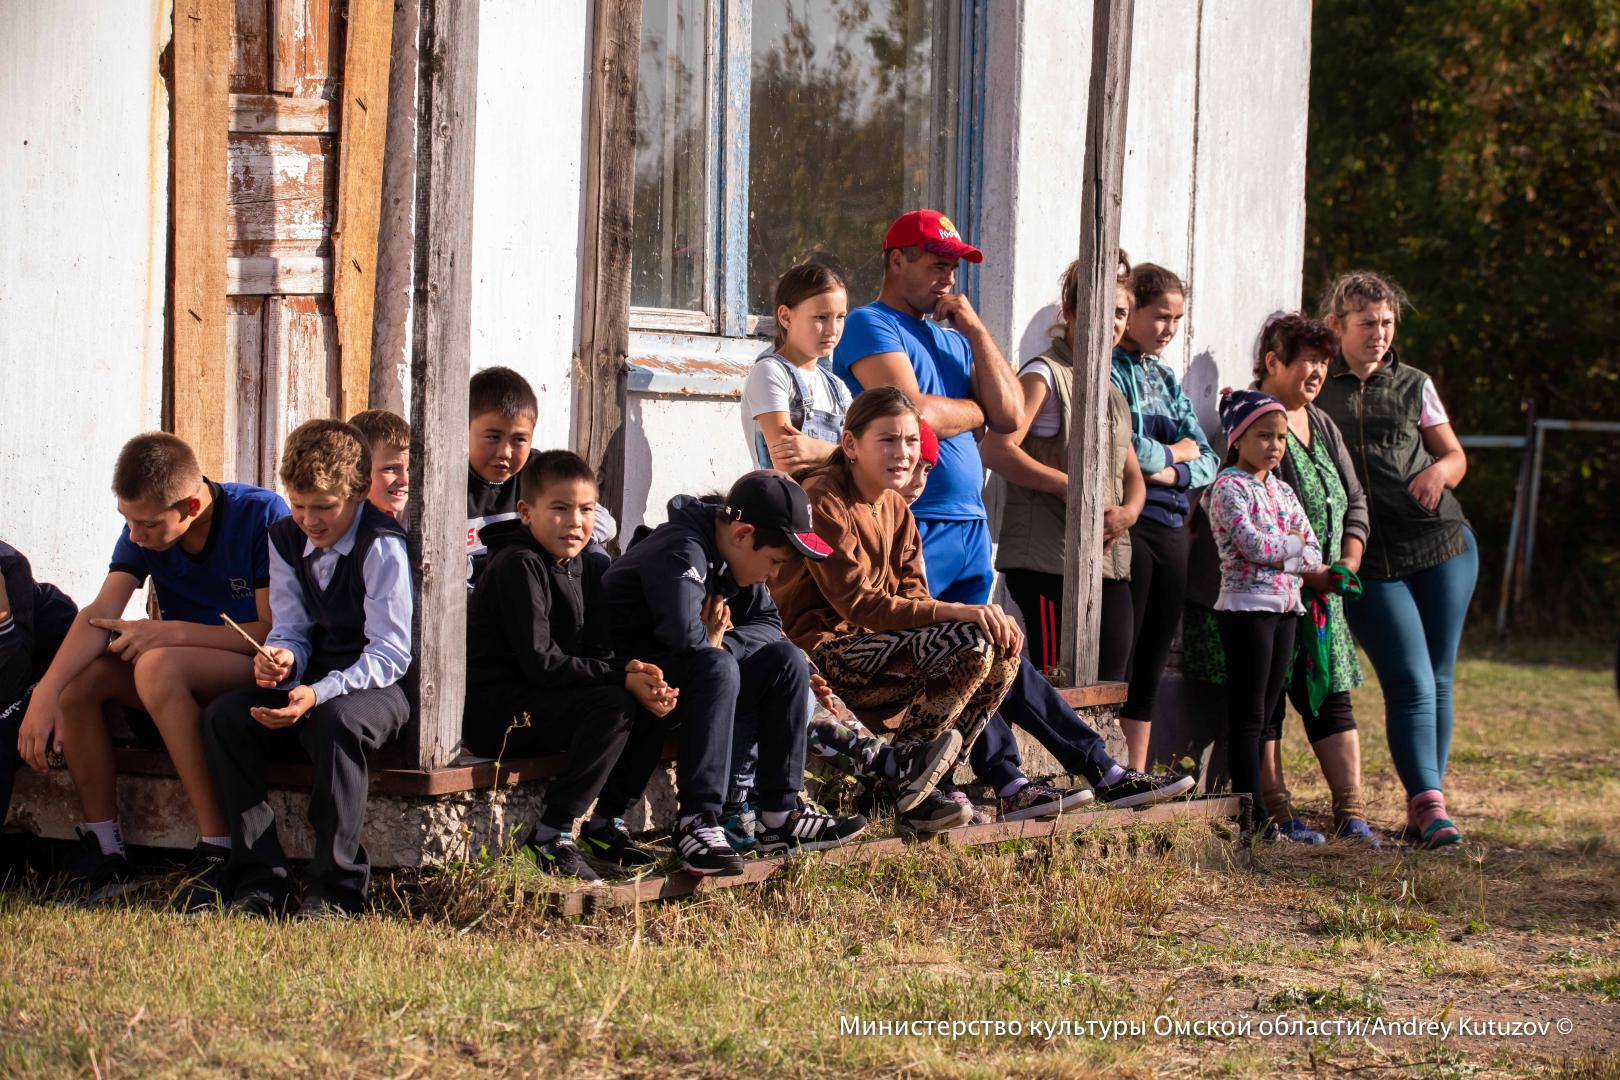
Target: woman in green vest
x=1421, y=560
x=1031, y=466
x=1291, y=365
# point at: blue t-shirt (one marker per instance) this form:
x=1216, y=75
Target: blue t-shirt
x=234, y=561
x=943, y=363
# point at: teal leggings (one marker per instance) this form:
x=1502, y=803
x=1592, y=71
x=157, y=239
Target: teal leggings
x=1410, y=628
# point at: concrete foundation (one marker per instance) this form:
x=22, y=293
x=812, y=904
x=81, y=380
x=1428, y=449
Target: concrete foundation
x=400, y=830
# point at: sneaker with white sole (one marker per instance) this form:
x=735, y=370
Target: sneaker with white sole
x=936, y=813
x=702, y=848
x=1142, y=789
x=1030, y=801
x=808, y=830
x=922, y=766
x=978, y=815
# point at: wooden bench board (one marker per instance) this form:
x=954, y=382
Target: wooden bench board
x=588, y=898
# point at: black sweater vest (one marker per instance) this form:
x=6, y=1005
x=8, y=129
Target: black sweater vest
x=338, y=612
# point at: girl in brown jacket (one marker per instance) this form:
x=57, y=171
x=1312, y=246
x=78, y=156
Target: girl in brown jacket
x=864, y=613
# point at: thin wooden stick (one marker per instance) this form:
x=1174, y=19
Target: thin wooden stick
x=260, y=649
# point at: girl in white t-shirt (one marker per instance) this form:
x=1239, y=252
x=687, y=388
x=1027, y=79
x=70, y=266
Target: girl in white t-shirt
x=793, y=405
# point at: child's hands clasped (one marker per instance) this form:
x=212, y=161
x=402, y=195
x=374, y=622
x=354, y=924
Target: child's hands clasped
x=716, y=619
x=646, y=684
x=300, y=700
x=271, y=671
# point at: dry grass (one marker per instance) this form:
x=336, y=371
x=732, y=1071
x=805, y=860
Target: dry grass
x=459, y=972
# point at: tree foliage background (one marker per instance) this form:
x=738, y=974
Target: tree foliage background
x=1470, y=149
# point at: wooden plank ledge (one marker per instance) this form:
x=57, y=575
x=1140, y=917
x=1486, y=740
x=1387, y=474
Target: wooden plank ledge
x=384, y=779
x=588, y=898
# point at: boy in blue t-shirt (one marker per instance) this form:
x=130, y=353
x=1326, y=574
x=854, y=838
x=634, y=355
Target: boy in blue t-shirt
x=204, y=546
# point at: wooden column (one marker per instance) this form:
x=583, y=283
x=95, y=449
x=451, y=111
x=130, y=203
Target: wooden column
x=1099, y=247
x=604, y=343
x=196, y=376
x=440, y=368
x=370, y=40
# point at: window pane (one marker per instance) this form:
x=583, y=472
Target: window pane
x=668, y=259
x=853, y=122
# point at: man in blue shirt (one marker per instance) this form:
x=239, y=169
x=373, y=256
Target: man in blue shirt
x=926, y=339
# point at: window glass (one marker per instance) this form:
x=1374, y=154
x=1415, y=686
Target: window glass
x=669, y=242
x=853, y=121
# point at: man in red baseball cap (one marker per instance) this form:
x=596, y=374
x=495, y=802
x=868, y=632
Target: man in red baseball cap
x=924, y=337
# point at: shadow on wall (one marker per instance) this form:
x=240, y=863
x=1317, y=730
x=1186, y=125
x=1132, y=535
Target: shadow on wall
x=1203, y=386
x=1037, y=336
x=637, y=468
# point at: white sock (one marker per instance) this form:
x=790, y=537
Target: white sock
x=108, y=835
x=216, y=841
x=1114, y=775
x=773, y=819
x=1013, y=787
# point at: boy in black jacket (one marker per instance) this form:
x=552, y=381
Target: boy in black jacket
x=503, y=412
x=34, y=618
x=537, y=645
x=691, y=597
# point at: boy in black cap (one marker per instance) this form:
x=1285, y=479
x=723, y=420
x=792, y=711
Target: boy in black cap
x=691, y=597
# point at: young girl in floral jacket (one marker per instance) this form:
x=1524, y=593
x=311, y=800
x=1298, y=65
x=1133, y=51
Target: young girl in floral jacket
x=1265, y=543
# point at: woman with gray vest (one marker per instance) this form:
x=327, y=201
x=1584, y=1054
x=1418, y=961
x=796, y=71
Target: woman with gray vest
x=1421, y=559
x=1031, y=466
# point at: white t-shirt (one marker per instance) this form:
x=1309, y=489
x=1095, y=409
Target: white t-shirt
x=770, y=389
x=1048, y=422
x=1433, y=412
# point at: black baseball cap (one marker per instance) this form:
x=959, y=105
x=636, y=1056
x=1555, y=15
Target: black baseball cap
x=774, y=500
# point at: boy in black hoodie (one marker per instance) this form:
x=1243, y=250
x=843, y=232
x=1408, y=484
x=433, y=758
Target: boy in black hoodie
x=503, y=412
x=537, y=646
x=34, y=618
x=691, y=597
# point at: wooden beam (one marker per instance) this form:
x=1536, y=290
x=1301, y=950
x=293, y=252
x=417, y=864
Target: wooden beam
x=197, y=312
x=265, y=275
x=369, y=42
x=278, y=113
x=599, y=380
x=1099, y=246
x=440, y=368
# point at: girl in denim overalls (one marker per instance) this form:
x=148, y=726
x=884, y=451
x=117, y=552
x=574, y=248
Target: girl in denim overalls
x=793, y=405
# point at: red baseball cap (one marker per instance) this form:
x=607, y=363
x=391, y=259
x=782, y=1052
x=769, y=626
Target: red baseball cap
x=929, y=449
x=933, y=232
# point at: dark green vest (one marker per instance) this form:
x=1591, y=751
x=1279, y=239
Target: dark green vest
x=1379, y=421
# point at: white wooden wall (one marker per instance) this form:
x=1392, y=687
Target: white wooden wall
x=84, y=188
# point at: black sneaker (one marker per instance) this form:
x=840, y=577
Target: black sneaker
x=612, y=844
x=809, y=830
x=561, y=857
x=1141, y=789
x=205, y=874
x=936, y=813
x=1030, y=801
x=702, y=847
x=320, y=909
x=922, y=766
x=95, y=875
x=258, y=904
